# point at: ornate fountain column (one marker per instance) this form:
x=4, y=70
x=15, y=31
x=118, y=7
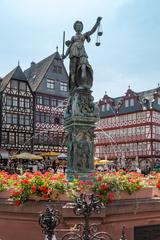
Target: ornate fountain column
x=80, y=115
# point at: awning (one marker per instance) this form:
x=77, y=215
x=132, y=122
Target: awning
x=4, y=155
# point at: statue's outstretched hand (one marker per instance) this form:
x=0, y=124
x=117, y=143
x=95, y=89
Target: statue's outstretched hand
x=99, y=19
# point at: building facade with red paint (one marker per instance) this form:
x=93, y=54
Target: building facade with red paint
x=129, y=128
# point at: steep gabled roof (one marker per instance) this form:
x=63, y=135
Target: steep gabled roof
x=16, y=73
x=37, y=71
x=148, y=93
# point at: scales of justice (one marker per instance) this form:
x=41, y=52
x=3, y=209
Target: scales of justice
x=80, y=114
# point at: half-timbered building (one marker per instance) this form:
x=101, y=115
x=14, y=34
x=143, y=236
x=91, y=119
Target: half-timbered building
x=49, y=82
x=129, y=128
x=16, y=112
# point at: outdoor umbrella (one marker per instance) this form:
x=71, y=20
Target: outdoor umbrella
x=26, y=155
x=50, y=154
x=62, y=157
x=102, y=162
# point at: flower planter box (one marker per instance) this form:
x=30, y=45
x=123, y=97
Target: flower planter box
x=59, y=196
x=54, y=196
x=36, y=198
x=5, y=194
x=150, y=192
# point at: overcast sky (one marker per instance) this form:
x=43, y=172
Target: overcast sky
x=130, y=46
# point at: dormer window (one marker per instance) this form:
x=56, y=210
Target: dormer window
x=158, y=100
x=131, y=102
x=107, y=106
x=103, y=108
x=126, y=103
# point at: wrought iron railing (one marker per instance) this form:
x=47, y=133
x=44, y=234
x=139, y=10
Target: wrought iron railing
x=84, y=206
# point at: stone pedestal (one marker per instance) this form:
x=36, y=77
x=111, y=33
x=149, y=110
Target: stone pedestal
x=79, y=121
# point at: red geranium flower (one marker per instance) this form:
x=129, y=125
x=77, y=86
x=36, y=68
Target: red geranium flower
x=33, y=188
x=18, y=202
x=103, y=187
x=158, y=185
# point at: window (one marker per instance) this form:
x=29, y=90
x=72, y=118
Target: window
x=42, y=118
x=103, y=108
x=21, y=138
x=9, y=100
x=8, y=118
x=108, y=106
x=39, y=100
x=51, y=83
x=53, y=102
x=14, y=119
x=27, y=103
x=21, y=102
x=131, y=102
x=158, y=100
x=63, y=86
x=47, y=118
x=4, y=137
x=37, y=117
x=27, y=137
x=46, y=101
x=11, y=137
x=21, y=119
x=27, y=120
x=14, y=84
x=126, y=103
x=45, y=138
x=15, y=101
x=60, y=103
x=22, y=86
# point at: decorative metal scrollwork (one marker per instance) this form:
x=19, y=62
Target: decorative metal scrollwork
x=48, y=221
x=85, y=205
x=123, y=237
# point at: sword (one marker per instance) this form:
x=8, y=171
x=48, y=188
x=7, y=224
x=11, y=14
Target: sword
x=63, y=44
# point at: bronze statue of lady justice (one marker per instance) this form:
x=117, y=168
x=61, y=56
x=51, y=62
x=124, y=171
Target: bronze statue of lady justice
x=80, y=71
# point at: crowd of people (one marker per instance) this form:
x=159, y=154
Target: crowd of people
x=20, y=166
x=55, y=166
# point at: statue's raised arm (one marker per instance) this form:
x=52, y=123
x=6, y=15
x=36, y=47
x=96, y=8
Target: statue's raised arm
x=94, y=28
